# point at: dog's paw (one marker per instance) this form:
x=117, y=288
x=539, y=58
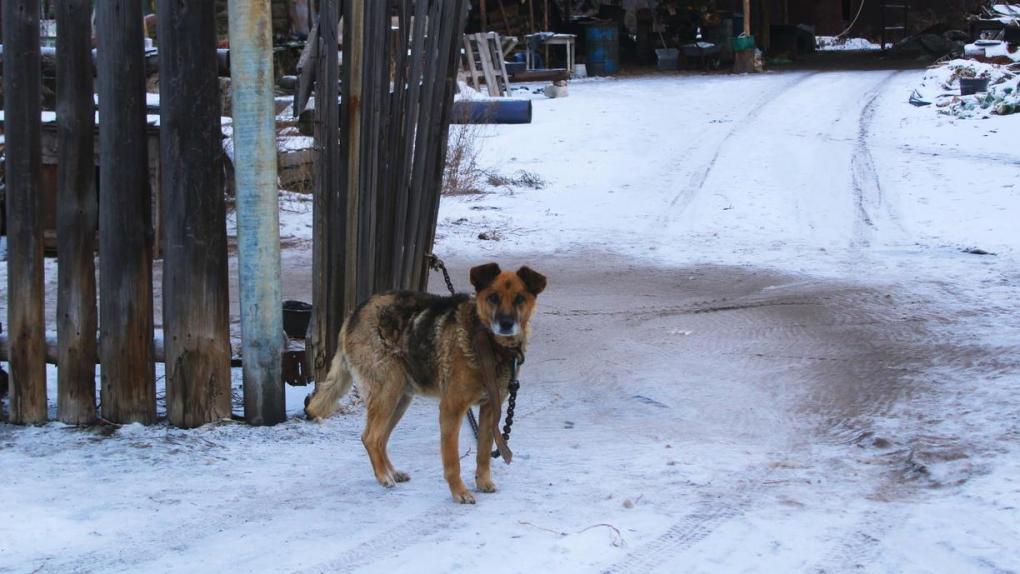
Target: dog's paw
x=386, y=480
x=485, y=485
x=463, y=497
x=401, y=476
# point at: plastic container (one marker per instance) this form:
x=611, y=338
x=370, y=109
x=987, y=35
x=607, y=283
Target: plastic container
x=743, y=43
x=971, y=86
x=668, y=58
x=602, y=48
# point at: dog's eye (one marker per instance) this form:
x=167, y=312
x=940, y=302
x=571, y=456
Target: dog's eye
x=494, y=299
x=519, y=300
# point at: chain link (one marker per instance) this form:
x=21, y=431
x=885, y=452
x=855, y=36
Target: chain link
x=436, y=264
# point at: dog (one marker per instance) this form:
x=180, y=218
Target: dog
x=458, y=348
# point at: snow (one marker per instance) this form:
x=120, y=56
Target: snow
x=834, y=43
x=763, y=348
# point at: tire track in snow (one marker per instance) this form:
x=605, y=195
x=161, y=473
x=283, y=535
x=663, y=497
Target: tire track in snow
x=698, y=178
x=389, y=542
x=865, y=184
x=691, y=529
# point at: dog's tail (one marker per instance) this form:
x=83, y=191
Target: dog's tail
x=322, y=402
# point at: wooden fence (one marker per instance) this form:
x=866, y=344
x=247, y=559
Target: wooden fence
x=380, y=152
x=381, y=149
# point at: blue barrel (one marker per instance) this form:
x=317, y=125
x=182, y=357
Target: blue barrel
x=602, y=49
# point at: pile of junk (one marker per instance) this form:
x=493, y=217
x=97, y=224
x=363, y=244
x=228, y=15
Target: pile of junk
x=982, y=78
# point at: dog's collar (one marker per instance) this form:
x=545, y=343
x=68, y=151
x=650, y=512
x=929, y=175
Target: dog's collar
x=504, y=352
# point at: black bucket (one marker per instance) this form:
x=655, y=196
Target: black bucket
x=296, y=317
x=971, y=86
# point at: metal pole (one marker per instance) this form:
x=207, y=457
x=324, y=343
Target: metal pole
x=258, y=218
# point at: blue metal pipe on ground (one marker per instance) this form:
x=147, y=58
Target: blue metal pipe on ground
x=491, y=112
x=258, y=217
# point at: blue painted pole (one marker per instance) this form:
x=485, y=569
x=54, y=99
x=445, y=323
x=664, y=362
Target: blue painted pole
x=258, y=217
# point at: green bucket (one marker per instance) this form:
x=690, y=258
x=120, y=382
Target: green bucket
x=742, y=43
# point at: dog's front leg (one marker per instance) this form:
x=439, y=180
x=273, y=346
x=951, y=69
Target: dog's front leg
x=450, y=418
x=483, y=473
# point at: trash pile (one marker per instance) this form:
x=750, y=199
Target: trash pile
x=996, y=89
x=997, y=35
x=986, y=81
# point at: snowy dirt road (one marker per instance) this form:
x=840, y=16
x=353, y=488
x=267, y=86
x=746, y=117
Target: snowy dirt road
x=762, y=348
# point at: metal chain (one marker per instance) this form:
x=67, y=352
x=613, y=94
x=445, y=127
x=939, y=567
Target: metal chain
x=510, y=404
x=436, y=264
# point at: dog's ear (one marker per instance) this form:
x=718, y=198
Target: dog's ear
x=533, y=280
x=482, y=275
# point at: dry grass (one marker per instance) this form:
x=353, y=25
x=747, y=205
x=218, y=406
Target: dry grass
x=520, y=178
x=462, y=175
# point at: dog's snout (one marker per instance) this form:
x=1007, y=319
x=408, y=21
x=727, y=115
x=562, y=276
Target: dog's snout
x=506, y=324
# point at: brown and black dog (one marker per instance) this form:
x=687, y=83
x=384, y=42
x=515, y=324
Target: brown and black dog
x=403, y=343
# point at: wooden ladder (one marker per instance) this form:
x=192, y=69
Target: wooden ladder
x=483, y=58
x=894, y=17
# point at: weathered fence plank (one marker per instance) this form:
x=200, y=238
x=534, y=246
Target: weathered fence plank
x=355, y=288
x=77, y=214
x=328, y=222
x=25, y=323
x=258, y=218
x=196, y=319
x=125, y=218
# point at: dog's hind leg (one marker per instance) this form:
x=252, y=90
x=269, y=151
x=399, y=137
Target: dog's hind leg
x=384, y=406
x=398, y=413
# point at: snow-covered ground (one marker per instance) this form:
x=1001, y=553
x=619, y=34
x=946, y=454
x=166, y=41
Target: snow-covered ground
x=764, y=347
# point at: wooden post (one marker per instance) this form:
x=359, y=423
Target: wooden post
x=547, y=30
x=195, y=290
x=25, y=321
x=506, y=22
x=446, y=77
x=77, y=215
x=747, y=17
x=744, y=60
x=258, y=210
x=329, y=225
x=354, y=53
x=125, y=218
x=484, y=15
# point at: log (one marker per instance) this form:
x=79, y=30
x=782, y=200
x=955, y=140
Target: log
x=128, y=390
x=77, y=216
x=22, y=84
x=195, y=289
x=48, y=57
x=551, y=75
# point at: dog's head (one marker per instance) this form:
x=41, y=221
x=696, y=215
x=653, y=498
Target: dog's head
x=506, y=299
